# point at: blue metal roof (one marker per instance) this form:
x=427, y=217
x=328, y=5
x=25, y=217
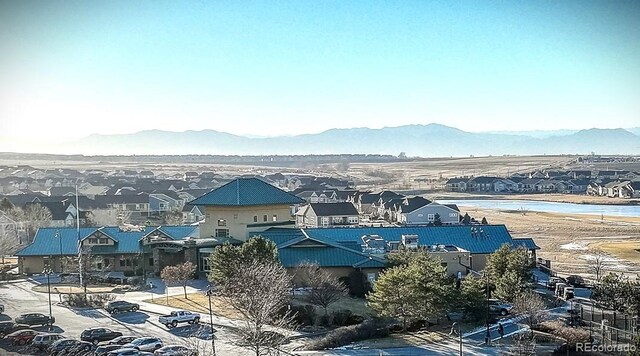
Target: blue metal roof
x=47, y=240
x=326, y=254
x=475, y=238
x=247, y=191
x=525, y=242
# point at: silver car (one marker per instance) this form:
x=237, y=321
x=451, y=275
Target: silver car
x=175, y=350
x=145, y=344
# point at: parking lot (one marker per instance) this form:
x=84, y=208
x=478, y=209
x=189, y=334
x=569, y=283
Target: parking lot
x=19, y=298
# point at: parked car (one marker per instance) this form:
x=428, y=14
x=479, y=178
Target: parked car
x=568, y=293
x=178, y=317
x=128, y=351
x=7, y=327
x=175, y=350
x=551, y=283
x=80, y=348
x=499, y=307
x=145, y=344
x=35, y=319
x=105, y=349
x=95, y=335
x=43, y=341
x=21, y=337
x=1, y=308
x=59, y=347
x=122, y=340
x=117, y=306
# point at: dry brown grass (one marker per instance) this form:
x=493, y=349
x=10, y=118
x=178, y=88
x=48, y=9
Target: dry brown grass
x=614, y=235
x=72, y=289
x=200, y=303
x=403, y=340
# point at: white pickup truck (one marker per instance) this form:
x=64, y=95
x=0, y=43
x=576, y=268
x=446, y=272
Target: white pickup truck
x=179, y=316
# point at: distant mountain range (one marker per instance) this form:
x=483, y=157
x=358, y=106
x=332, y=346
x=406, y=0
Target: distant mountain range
x=432, y=140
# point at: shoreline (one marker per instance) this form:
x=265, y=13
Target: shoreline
x=549, y=198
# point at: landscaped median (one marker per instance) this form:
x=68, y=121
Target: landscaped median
x=197, y=302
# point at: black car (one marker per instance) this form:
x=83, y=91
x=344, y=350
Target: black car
x=120, y=306
x=95, y=335
x=35, y=319
x=7, y=327
x=60, y=347
x=104, y=349
x=78, y=349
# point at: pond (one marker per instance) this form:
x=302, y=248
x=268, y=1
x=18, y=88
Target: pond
x=548, y=207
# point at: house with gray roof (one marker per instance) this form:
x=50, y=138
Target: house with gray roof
x=327, y=215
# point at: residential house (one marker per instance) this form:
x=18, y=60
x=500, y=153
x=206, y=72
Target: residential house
x=192, y=214
x=481, y=184
x=160, y=202
x=426, y=214
x=327, y=215
x=457, y=184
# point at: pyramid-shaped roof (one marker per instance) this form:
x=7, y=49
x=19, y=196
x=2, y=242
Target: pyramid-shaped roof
x=245, y=192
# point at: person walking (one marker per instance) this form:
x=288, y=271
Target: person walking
x=501, y=330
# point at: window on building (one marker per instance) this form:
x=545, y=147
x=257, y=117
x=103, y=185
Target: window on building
x=255, y=218
x=107, y=262
x=204, y=263
x=275, y=217
x=128, y=261
x=453, y=215
x=264, y=217
x=353, y=220
x=222, y=222
x=135, y=263
x=371, y=277
x=103, y=241
x=431, y=217
x=122, y=263
x=222, y=232
x=93, y=241
x=151, y=261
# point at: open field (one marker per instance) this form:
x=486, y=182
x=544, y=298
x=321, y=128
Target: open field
x=569, y=240
x=558, y=198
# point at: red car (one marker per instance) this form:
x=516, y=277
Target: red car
x=21, y=337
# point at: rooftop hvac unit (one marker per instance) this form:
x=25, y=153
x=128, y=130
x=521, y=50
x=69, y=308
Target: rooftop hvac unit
x=410, y=241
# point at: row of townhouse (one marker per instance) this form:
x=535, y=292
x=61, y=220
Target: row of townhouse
x=517, y=184
x=615, y=189
x=248, y=207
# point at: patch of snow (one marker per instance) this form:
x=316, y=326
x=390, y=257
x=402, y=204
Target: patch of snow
x=573, y=246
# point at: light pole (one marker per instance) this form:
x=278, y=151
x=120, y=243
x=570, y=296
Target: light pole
x=48, y=271
x=60, y=240
x=209, y=293
x=487, y=338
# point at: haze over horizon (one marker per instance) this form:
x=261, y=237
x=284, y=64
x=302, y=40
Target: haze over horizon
x=297, y=67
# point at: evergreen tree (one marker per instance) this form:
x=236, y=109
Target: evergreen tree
x=437, y=221
x=472, y=297
x=225, y=259
x=484, y=221
x=466, y=219
x=5, y=205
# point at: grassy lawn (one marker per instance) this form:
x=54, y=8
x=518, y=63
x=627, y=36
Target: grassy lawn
x=356, y=305
x=628, y=250
x=198, y=302
x=403, y=340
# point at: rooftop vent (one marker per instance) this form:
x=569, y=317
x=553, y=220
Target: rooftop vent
x=410, y=241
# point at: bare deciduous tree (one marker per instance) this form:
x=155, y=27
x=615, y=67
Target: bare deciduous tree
x=531, y=306
x=259, y=291
x=597, y=263
x=9, y=241
x=324, y=288
x=173, y=217
x=524, y=344
x=181, y=273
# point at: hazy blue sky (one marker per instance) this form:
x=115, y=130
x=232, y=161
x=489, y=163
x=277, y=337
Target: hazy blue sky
x=287, y=67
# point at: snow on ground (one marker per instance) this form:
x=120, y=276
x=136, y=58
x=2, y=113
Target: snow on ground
x=573, y=246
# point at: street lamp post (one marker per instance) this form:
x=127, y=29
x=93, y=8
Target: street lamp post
x=48, y=271
x=210, y=292
x=487, y=338
x=60, y=241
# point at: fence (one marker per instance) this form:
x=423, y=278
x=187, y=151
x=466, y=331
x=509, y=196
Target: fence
x=609, y=327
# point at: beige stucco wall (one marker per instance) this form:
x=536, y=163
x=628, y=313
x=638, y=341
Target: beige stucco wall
x=478, y=261
x=454, y=261
x=238, y=217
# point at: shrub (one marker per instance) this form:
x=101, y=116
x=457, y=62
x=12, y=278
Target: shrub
x=357, y=284
x=341, y=316
x=369, y=329
x=91, y=300
x=304, y=314
x=324, y=320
